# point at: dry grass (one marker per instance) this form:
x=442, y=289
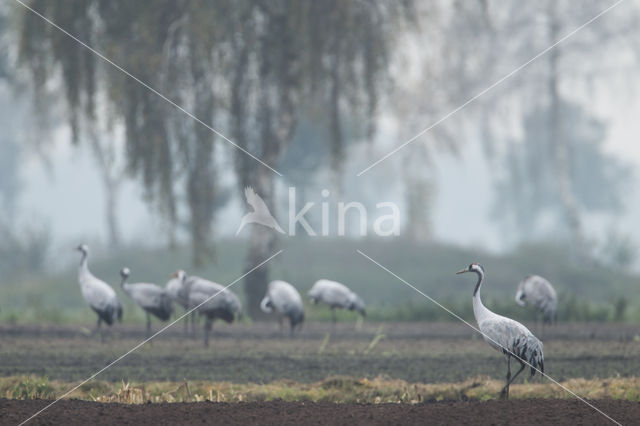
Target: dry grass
x=334, y=389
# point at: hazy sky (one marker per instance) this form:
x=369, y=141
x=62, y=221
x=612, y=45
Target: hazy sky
x=70, y=199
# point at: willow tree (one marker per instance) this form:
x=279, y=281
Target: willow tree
x=244, y=66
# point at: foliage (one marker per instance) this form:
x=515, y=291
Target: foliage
x=337, y=389
x=585, y=293
x=246, y=66
x=27, y=387
x=529, y=189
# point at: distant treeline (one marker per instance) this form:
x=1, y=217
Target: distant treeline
x=586, y=292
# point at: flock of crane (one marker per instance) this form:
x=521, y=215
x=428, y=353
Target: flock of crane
x=214, y=301
x=209, y=299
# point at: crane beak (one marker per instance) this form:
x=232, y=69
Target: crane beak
x=462, y=271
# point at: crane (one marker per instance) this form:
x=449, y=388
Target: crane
x=506, y=335
x=98, y=294
x=285, y=299
x=212, y=300
x=336, y=295
x=150, y=297
x=178, y=294
x=540, y=293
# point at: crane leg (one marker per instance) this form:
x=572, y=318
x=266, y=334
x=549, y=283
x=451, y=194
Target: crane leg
x=193, y=322
x=186, y=326
x=505, y=390
x=522, y=366
x=333, y=317
x=207, y=329
x=99, y=329
x=510, y=379
x=148, y=325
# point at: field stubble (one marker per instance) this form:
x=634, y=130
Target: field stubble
x=259, y=353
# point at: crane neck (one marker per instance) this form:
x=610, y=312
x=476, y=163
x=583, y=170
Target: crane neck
x=476, y=291
x=124, y=284
x=479, y=310
x=83, y=269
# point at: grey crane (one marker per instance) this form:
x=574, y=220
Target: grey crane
x=178, y=294
x=539, y=292
x=225, y=305
x=505, y=335
x=150, y=297
x=98, y=294
x=286, y=301
x=336, y=295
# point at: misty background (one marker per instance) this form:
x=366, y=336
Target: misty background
x=538, y=175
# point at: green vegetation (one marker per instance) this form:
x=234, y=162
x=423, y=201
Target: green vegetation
x=337, y=389
x=594, y=293
x=27, y=387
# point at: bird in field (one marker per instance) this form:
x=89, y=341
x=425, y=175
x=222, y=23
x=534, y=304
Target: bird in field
x=260, y=214
x=539, y=293
x=211, y=300
x=150, y=297
x=336, y=295
x=286, y=301
x=178, y=294
x=98, y=294
x=506, y=335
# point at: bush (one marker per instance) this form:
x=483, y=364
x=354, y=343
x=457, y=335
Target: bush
x=30, y=387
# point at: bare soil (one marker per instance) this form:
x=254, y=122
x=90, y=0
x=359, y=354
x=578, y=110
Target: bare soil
x=520, y=412
x=259, y=353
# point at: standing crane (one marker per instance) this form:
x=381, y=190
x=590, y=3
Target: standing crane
x=212, y=300
x=285, y=299
x=540, y=293
x=150, y=297
x=178, y=293
x=336, y=295
x=506, y=335
x=98, y=294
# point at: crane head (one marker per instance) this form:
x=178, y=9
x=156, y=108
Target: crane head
x=474, y=267
x=180, y=275
x=125, y=272
x=83, y=248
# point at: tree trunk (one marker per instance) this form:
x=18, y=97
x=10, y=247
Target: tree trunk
x=112, y=189
x=262, y=244
x=201, y=186
x=112, y=175
x=559, y=142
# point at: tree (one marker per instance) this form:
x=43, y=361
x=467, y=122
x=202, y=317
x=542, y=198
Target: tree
x=560, y=163
x=484, y=41
x=530, y=188
x=246, y=66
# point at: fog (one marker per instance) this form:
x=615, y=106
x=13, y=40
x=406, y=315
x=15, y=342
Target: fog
x=519, y=122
